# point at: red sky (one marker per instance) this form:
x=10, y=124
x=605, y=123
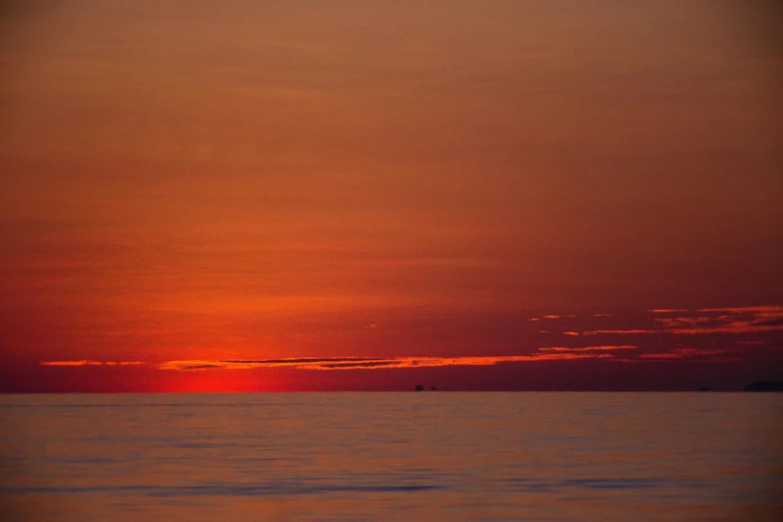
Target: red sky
x=345, y=195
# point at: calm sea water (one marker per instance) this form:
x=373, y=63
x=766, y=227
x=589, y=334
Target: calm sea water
x=392, y=456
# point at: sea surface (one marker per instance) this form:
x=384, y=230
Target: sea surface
x=392, y=456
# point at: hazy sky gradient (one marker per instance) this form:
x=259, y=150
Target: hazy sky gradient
x=258, y=180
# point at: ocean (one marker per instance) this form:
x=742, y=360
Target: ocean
x=426, y=456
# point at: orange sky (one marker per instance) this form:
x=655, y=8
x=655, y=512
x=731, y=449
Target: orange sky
x=255, y=181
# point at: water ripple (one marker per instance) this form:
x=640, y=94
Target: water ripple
x=222, y=489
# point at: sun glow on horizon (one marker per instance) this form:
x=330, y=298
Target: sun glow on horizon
x=348, y=195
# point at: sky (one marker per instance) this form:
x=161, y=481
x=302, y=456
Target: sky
x=346, y=195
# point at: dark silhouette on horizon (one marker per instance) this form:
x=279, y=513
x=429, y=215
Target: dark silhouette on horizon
x=763, y=386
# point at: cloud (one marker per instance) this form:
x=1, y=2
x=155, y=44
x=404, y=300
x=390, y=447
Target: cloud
x=735, y=327
x=84, y=362
x=619, y=332
x=774, y=309
x=778, y=321
x=664, y=355
x=739, y=320
x=685, y=353
x=568, y=356
x=550, y=353
x=589, y=348
x=751, y=319
x=571, y=333
x=358, y=363
x=680, y=321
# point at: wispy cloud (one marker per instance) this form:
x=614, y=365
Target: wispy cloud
x=662, y=355
x=734, y=327
x=359, y=363
x=549, y=353
x=750, y=319
x=618, y=332
x=687, y=353
x=85, y=362
x=552, y=317
x=771, y=309
x=740, y=320
x=681, y=321
x=589, y=348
